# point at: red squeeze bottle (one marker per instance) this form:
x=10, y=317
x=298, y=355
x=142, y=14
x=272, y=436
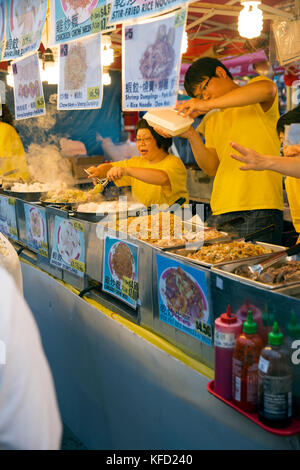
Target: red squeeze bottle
x=245, y=366
x=227, y=328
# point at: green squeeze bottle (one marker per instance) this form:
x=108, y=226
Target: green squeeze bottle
x=275, y=382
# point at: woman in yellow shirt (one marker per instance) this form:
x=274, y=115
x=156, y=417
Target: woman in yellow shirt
x=155, y=177
x=12, y=154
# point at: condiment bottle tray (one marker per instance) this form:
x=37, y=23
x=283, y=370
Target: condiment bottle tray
x=293, y=428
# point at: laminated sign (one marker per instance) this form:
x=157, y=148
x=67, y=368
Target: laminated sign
x=25, y=21
x=36, y=229
x=120, y=270
x=183, y=298
x=124, y=10
x=68, y=250
x=151, y=62
x=80, y=80
x=28, y=90
x=2, y=25
x=74, y=19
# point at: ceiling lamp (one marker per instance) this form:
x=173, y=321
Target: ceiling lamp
x=185, y=43
x=49, y=66
x=250, y=19
x=107, y=52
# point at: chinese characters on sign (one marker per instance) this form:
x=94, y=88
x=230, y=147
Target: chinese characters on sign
x=80, y=81
x=183, y=298
x=73, y=19
x=24, y=26
x=120, y=270
x=124, y=10
x=151, y=62
x=36, y=229
x=8, y=219
x=28, y=90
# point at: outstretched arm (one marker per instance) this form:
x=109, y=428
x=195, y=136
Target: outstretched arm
x=147, y=175
x=255, y=161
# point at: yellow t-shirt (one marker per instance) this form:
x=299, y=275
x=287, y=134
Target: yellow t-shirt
x=233, y=189
x=149, y=194
x=12, y=154
x=292, y=186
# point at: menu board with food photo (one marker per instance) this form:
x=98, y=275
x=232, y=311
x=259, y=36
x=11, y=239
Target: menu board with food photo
x=12, y=227
x=2, y=25
x=24, y=26
x=183, y=298
x=122, y=11
x=120, y=270
x=68, y=249
x=151, y=62
x=28, y=90
x=74, y=19
x=80, y=81
x=3, y=215
x=36, y=229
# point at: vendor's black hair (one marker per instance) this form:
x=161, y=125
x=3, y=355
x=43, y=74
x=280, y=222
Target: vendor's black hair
x=291, y=117
x=6, y=115
x=162, y=142
x=200, y=70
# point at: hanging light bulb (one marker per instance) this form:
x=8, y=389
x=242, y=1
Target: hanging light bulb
x=185, y=43
x=250, y=19
x=107, y=52
x=106, y=78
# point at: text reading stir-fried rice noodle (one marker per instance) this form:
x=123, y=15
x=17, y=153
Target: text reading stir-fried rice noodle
x=122, y=261
x=220, y=252
x=183, y=295
x=75, y=67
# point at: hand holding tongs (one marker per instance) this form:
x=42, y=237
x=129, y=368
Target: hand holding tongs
x=104, y=181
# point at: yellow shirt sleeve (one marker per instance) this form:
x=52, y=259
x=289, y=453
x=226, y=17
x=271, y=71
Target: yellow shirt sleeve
x=12, y=154
x=177, y=175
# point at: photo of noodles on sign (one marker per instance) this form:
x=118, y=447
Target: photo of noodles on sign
x=151, y=62
x=80, y=81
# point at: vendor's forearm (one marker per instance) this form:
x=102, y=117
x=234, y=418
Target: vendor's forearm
x=289, y=166
x=207, y=160
x=258, y=92
x=149, y=175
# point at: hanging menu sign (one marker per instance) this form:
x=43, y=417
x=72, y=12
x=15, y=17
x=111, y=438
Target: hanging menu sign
x=151, y=62
x=120, y=270
x=183, y=298
x=28, y=90
x=25, y=20
x=74, y=19
x=2, y=25
x=36, y=229
x=80, y=80
x=124, y=10
x=68, y=249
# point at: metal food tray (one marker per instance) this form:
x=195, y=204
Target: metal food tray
x=226, y=270
x=98, y=216
x=26, y=196
x=235, y=262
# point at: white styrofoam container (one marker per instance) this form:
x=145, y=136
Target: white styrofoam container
x=168, y=120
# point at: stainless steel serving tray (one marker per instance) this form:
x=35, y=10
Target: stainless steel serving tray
x=26, y=196
x=228, y=268
x=182, y=255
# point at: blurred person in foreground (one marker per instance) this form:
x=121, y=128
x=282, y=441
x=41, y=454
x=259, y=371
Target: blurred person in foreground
x=247, y=114
x=285, y=165
x=155, y=177
x=29, y=418
x=12, y=154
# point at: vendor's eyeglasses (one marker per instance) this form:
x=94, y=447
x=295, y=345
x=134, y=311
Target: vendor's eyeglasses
x=146, y=139
x=200, y=95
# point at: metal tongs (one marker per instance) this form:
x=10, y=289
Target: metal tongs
x=274, y=258
x=104, y=181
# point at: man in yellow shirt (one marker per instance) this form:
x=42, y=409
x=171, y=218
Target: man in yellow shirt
x=155, y=177
x=286, y=165
x=248, y=115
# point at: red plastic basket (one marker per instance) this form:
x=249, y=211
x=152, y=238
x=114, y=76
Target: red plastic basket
x=293, y=428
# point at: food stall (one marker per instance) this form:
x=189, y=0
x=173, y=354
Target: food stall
x=126, y=312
